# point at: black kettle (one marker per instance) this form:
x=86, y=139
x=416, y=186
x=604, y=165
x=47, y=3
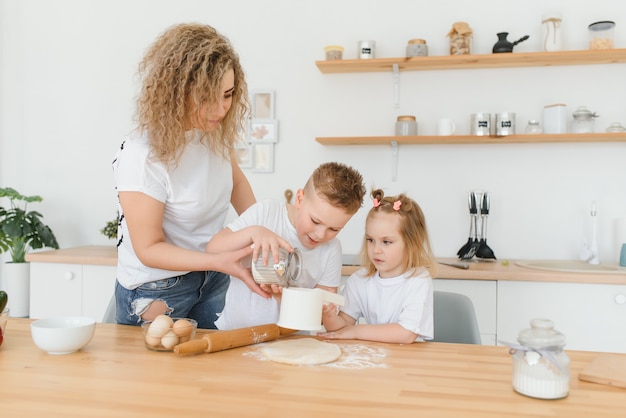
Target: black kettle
x=503, y=45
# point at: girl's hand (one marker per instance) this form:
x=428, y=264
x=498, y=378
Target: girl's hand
x=345, y=333
x=330, y=310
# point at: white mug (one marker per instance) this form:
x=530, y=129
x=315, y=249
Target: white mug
x=446, y=127
x=301, y=308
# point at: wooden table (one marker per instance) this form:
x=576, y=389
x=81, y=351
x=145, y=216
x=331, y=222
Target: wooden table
x=116, y=376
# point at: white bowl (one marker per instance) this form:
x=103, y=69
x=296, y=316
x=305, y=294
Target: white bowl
x=64, y=334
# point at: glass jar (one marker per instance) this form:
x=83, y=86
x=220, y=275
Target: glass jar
x=406, y=126
x=533, y=127
x=460, y=38
x=283, y=273
x=541, y=369
x=551, y=31
x=601, y=35
x=416, y=48
x=584, y=121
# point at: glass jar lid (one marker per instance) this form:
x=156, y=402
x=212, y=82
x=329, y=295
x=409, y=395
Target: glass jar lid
x=582, y=113
x=602, y=25
x=533, y=122
x=616, y=127
x=406, y=118
x=541, y=334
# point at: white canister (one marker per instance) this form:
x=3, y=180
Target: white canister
x=366, y=50
x=481, y=124
x=505, y=123
x=555, y=119
x=551, y=31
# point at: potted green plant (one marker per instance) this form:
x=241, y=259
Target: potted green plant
x=21, y=229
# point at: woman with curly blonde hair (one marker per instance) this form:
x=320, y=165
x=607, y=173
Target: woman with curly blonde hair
x=394, y=292
x=175, y=179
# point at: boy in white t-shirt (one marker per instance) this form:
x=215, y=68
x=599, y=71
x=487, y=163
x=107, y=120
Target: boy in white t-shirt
x=331, y=196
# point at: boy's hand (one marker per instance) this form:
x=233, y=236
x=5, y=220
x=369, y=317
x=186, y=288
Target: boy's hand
x=266, y=241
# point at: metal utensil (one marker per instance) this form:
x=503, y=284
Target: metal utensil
x=468, y=251
x=483, y=250
x=460, y=265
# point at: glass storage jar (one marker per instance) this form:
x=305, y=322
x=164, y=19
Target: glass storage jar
x=584, y=121
x=541, y=369
x=601, y=35
x=406, y=126
x=533, y=127
x=284, y=273
x=416, y=48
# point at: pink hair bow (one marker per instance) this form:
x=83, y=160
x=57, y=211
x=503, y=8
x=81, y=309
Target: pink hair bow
x=376, y=203
x=396, y=205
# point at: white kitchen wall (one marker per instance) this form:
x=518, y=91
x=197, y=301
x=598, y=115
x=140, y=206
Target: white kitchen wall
x=68, y=83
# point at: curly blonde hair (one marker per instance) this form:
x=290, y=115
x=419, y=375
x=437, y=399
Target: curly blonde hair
x=182, y=69
x=419, y=253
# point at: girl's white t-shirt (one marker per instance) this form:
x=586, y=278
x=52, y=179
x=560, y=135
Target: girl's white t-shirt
x=406, y=300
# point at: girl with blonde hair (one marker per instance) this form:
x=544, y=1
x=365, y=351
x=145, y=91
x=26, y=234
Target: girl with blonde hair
x=393, y=293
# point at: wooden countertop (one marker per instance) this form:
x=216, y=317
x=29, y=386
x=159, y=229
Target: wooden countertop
x=103, y=255
x=115, y=375
x=496, y=270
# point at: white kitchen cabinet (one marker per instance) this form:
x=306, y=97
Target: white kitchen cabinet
x=483, y=294
x=591, y=316
x=70, y=289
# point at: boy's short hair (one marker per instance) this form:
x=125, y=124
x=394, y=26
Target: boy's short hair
x=340, y=185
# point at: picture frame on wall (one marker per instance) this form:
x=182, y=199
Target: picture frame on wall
x=263, y=157
x=243, y=154
x=263, y=130
x=263, y=104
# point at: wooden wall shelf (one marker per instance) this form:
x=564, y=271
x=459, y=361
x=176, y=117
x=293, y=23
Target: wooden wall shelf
x=451, y=62
x=470, y=139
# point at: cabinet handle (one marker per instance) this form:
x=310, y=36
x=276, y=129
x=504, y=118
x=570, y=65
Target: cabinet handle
x=620, y=299
x=69, y=275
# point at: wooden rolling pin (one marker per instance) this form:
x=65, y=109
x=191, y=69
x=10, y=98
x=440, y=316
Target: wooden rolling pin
x=223, y=340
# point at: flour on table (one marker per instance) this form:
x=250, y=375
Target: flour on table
x=302, y=351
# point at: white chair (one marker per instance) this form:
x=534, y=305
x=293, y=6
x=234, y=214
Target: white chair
x=109, y=314
x=455, y=319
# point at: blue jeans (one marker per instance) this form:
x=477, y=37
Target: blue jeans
x=198, y=295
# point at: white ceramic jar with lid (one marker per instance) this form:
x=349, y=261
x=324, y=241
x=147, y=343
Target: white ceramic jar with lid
x=584, y=121
x=541, y=369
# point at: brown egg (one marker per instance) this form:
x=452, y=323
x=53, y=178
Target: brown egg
x=182, y=328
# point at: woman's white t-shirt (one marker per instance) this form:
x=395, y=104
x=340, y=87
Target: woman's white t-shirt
x=196, y=193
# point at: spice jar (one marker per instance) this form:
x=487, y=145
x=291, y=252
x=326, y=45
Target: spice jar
x=406, y=126
x=333, y=52
x=551, y=31
x=416, y=48
x=460, y=37
x=283, y=273
x=533, y=127
x=541, y=369
x=583, y=122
